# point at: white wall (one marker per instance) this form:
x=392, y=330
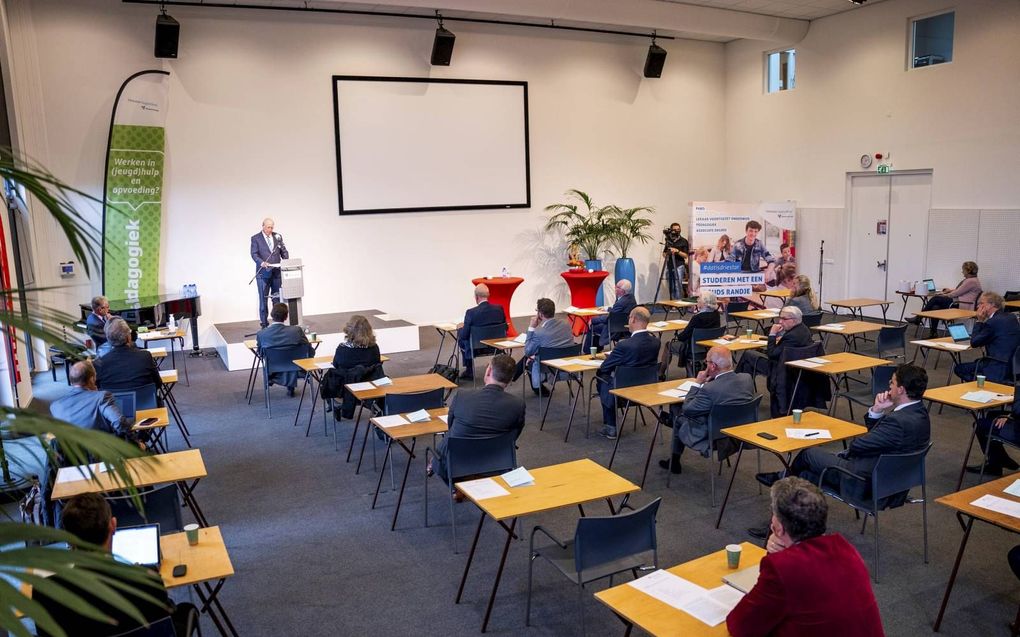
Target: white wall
x=250, y=134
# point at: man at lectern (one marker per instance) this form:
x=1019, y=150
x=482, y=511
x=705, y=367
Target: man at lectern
x=267, y=249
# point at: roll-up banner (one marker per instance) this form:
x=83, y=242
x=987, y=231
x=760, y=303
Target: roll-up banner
x=736, y=248
x=133, y=190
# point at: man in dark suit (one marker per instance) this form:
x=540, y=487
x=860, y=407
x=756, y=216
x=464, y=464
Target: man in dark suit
x=640, y=350
x=95, y=322
x=87, y=407
x=720, y=385
x=598, y=329
x=999, y=333
x=484, y=413
x=707, y=317
x=897, y=423
x=482, y=314
x=1007, y=427
x=267, y=248
x=545, y=330
x=788, y=331
x=125, y=367
x=279, y=334
x=810, y=583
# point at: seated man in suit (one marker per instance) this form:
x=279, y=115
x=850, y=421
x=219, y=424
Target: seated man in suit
x=545, y=330
x=720, y=385
x=640, y=350
x=483, y=413
x=87, y=407
x=279, y=334
x=788, y=331
x=95, y=322
x=810, y=583
x=88, y=517
x=125, y=367
x=1008, y=428
x=598, y=329
x=999, y=333
x=706, y=317
x=897, y=423
x=481, y=315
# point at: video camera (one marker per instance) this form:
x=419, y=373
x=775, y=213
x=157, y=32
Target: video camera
x=670, y=233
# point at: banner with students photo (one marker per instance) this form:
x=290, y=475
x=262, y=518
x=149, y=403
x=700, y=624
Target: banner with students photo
x=133, y=189
x=737, y=248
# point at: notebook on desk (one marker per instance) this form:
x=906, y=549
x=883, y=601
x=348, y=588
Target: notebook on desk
x=959, y=332
x=744, y=579
x=138, y=545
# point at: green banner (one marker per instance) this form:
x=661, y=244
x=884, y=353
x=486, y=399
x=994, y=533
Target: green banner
x=134, y=194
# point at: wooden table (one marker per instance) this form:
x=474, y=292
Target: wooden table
x=952, y=314
x=650, y=397
x=961, y=503
x=952, y=395
x=783, y=447
x=557, y=486
x=676, y=305
x=1013, y=303
x=166, y=392
x=906, y=296
x=944, y=344
x=856, y=307
x=575, y=373
x=447, y=329
x=636, y=608
x=401, y=433
x=585, y=314
x=207, y=562
x=156, y=429
x=314, y=368
x=738, y=344
x=256, y=362
x=660, y=327
x=838, y=369
x=166, y=334
x=850, y=331
x=504, y=345
x=783, y=294
x=758, y=316
x=402, y=385
x=178, y=467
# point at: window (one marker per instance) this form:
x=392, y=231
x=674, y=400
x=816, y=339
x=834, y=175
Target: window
x=931, y=40
x=780, y=70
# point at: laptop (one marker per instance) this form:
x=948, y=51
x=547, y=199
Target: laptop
x=743, y=580
x=929, y=285
x=138, y=545
x=959, y=332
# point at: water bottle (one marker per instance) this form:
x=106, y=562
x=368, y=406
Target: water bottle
x=172, y=323
x=505, y=272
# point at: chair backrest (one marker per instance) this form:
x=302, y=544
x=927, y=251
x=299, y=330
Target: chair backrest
x=880, y=377
x=281, y=359
x=126, y=402
x=618, y=323
x=160, y=628
x=814, y=319
x=625, y=376
x=1012, y=295
x=480, y=456
x=552, y=353
x=737, y=306
x=704, y=334
x=891, y=337
x=1016, y=365
x=800, y=353
x=480, y=333
x=404, y=403
x=161, y=505
x=898, y=472
x=722, y=416
x=146, y=397
x=604, y=539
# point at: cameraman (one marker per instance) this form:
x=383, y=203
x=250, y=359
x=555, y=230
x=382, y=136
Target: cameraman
x=675, y=252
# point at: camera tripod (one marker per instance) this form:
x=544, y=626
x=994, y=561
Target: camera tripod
x=668, y=260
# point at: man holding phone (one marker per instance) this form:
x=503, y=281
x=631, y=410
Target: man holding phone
x=545, y=330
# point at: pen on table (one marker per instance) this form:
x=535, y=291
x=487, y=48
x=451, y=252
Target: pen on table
x=813, y=433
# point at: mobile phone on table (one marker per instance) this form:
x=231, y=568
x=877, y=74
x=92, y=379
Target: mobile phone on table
x=148, y=422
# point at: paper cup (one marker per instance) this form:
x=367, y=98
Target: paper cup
x=980, y=381
x=797, y=413
x=733, y=555
x=750, y=333
x=191, y=530
x=594, y=351
x=312, y=336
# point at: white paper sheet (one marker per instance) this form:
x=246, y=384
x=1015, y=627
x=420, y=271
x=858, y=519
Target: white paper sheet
x=680, y=322
x=590, y=362
x=748, y=341
x=1013, y=489
x=926, y=343
x=660, y=324
x=820, y=361
x=163, y=373
x=804, y=363
x=808, y=434
x=482, y=489
x=519, y=477
x=72, y=474
x=508, y=343
x=766, y=314
x=832, y=326
x=721, y=341
x=391, y=421
x=520, y=338
x=957, y=346
x=673, y=393
x=981, y=396
x=708, y=606
x=570, y=309
x=687, y=385
x=446, y=327
x=157, y=350
x=419, y=416
x=382, y=382
x=445, y=418
x=555, y=361
x=360, y=386
x=324, y=365
x=999, y=505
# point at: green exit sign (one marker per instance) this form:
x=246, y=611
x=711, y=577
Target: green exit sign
x=884, y=168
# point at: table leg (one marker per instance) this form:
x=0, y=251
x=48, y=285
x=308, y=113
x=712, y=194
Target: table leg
x=952, y=575
x=364, y=443
x=211, y=605
x=552, y=390
x=573, y=406
x=403, y=483
x=499, y=574
x=354, y=436
x=252, y=375
x=885, y=308
x=188, y=495
x=619, y=434
x=733, y=474
x=471, y=557
x=301, y=399
x=970, y=446
x=442, y=340
x=651, y=446
x=378, y=484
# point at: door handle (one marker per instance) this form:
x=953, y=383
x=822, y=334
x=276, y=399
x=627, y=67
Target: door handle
x=881, y=264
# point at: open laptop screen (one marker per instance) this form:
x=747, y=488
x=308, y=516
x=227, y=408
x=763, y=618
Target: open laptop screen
x=959, y=332
x=930, y=284
x=138, y=545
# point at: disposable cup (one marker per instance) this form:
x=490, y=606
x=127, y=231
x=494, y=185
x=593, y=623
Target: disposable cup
x=191, y=530
x=797, y=413
x=733, y=555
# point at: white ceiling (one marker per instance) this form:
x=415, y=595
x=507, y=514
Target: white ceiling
x=799, y=9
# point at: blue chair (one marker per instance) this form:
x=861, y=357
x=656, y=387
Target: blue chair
x=481, y=333
x=618, y=328
x=473, y=458
x=552, y=353
x=880, y=377
x=280, y=360
x=893, y=475
x=126, y=402
x=602, y=547
x=892, y=338
x=696, y=353
x=736, y=322
x=623, y=377
x=146, y=397
x=402, y=403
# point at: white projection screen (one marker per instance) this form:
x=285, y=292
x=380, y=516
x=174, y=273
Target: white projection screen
x=419, y=144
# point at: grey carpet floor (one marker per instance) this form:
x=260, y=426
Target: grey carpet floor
x=311, y=558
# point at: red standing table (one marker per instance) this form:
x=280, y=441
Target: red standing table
x=501, y=290
x=583, y=287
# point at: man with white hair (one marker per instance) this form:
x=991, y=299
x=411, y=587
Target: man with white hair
x=719, y=385
x=267, y=249
x=707, y=317
x=598, y=332
x=481, y=315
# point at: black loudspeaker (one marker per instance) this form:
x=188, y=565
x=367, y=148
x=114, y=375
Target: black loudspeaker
x=168, y=31
x=442, y=47
x=655, y=61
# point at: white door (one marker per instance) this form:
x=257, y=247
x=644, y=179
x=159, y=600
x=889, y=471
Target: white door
x=888, y=235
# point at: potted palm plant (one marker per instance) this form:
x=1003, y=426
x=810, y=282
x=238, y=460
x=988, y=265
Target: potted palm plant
x=627, y=225
x=588, y=228
x=23, y=557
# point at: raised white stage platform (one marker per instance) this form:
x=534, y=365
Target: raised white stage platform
x=392, y=336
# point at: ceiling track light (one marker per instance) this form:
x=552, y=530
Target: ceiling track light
x=442, y=45
x=655, y=60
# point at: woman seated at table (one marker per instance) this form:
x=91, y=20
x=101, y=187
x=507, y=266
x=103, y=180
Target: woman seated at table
x=802, y=296
x=965, y=293
x=785, y=279
x=357, y=359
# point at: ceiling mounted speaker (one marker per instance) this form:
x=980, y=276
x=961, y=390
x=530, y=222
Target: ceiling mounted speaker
x=442, y=47
x=168, y=31
x=655, y=61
